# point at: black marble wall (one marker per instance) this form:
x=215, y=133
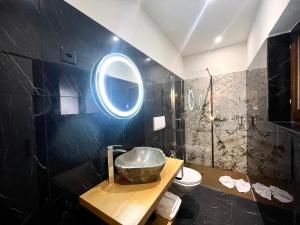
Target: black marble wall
x=279, y=139
x=279, y=77
x=53, y=137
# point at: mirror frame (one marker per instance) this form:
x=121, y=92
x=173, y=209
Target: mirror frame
x=100, y=92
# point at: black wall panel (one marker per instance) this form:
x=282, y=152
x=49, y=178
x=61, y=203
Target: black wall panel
x=53, y=137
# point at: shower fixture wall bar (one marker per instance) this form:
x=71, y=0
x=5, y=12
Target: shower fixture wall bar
x=212, y=118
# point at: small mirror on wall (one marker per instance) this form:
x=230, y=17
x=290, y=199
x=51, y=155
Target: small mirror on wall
x=190, y=100
x=117, y=86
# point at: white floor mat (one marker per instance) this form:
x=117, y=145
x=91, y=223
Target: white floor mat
x=266, y=192
x=227, y=181
x=242, y=186
x=262, y=190
x=281, y=195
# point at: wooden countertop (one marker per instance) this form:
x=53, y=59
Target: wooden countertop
x=126, y=203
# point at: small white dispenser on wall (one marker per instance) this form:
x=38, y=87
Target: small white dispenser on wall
x=159, y=123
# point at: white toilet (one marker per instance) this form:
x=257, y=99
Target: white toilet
x=190, y=179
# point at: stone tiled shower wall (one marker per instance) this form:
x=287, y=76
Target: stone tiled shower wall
x=230, y=141
x=263, y=150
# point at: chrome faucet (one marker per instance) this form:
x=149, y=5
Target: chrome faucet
x=110, y=160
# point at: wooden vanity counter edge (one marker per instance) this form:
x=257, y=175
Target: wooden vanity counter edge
x=126, y=203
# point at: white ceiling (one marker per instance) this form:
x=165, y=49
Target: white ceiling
x=192, y=25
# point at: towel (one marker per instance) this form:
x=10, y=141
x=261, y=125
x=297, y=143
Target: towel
x=262, y=190
x=168, y=206
x=171, y=215
x=227, y=181
x=281, y=195
x=167, y=202
x=242, y=186
x=267, y=192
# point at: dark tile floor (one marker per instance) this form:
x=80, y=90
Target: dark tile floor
x=211, y=207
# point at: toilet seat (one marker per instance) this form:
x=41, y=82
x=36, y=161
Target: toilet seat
x=190, y=177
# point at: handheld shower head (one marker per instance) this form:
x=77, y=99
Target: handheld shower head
x=208, y=72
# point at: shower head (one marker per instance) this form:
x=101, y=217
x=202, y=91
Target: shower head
x=208, y=72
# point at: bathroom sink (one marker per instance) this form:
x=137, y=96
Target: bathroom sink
x=141, y=164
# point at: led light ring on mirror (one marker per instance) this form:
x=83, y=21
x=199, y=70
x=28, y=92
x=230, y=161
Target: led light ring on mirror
x=101, y=68
x=191, y=100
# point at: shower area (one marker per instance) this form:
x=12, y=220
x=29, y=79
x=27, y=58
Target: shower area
x=233, y=131
x=216, y=121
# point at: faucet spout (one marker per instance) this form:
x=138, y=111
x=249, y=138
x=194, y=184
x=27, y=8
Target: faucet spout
x=119, y=150
x=110, y=160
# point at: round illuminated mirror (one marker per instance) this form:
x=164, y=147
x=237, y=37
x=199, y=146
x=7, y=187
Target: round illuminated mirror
x=118, y=86
x=190, y=100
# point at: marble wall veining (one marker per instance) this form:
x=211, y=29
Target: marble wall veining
x=229, y=103
x=264, y=149
x=52, y=141
x=268, y=144
x=279, y=77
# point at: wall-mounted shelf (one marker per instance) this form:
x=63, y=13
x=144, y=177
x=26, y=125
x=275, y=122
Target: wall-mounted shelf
x=126, y=203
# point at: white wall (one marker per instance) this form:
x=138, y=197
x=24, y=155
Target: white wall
x=219, y=61
x=260, y=60
x=129, y=21
x=267, y=16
